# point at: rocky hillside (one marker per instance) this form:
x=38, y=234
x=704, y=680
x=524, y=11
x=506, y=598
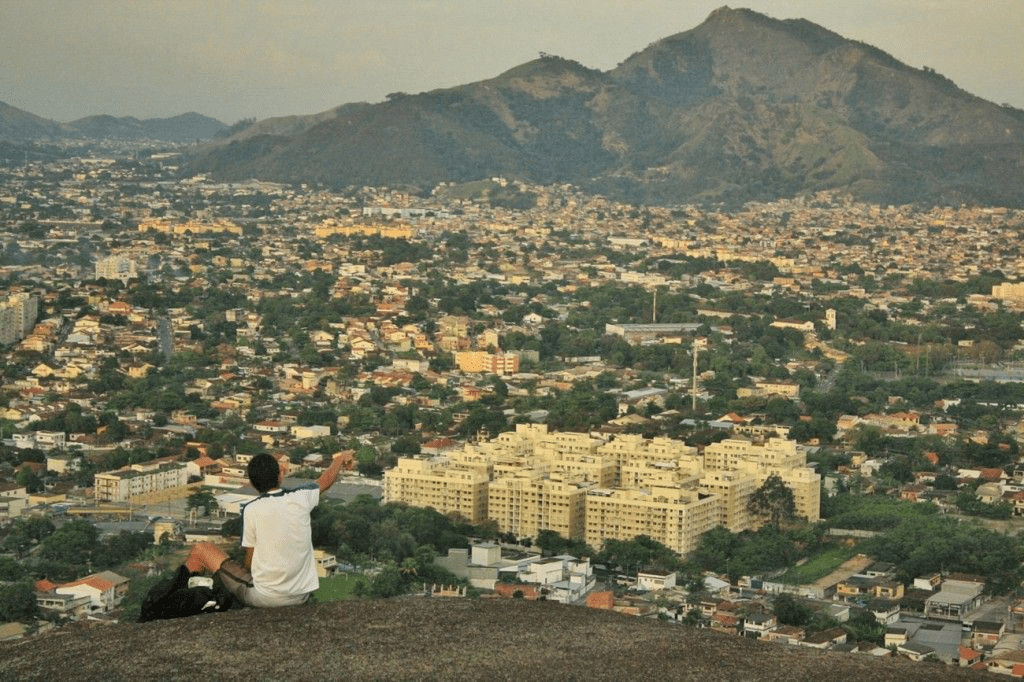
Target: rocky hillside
x=432, y=639
x=741, y=107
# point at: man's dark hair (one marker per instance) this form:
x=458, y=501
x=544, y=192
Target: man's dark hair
x=264, y=472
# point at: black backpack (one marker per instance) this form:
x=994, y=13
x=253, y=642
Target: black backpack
x=173, y=598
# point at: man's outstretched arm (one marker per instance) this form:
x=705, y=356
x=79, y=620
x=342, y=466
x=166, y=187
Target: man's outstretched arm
x=330, y=475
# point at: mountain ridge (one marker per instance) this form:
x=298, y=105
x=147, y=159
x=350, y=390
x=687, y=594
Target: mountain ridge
x=741, y=107
x=19, y=126
x=187, y=127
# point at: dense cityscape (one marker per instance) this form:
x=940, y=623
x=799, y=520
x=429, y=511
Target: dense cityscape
x=797, y=421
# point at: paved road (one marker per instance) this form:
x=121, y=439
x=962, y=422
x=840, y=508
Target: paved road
x=348, y=491
x=165, y=337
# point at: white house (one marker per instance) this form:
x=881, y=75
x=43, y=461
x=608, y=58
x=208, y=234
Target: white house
x=44, y=440
x=24, y=441
x=13, y=500
x=543, y=572
x=105, y=590
x=50, y=439
x=314, y=431
x=655, y=580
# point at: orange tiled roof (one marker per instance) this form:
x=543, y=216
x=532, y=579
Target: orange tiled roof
x=968, y=654
x=92, y=581
x=994, y=474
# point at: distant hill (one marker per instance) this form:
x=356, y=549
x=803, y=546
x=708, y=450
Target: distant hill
x=18, y=126
x=741, y=107
x=183, y=128
x=410, y=638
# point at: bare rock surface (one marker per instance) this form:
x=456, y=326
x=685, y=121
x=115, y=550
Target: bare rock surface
x=431, y=639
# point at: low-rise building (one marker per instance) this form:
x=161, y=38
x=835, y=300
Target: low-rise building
x=105, y=590
x=955, y=599
x=655, y=580
x=139, y=479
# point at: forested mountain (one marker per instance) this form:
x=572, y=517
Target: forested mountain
x=741, y=107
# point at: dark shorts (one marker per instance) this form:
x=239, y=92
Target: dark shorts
x=238, y=581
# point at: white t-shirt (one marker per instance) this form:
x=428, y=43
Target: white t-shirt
x=277, y=526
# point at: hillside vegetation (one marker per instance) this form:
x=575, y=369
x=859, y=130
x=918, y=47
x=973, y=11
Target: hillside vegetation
x=742, y=107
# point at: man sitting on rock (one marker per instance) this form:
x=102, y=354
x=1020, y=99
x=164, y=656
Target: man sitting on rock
x=279, y=568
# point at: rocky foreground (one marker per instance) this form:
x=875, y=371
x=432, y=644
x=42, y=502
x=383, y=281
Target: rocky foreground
x=431, y=639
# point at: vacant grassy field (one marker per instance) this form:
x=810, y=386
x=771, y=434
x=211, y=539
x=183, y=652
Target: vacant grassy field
x=819, y=566
x=337, y=587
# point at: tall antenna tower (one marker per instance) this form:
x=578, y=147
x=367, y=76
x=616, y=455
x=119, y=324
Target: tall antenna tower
x=654, y=307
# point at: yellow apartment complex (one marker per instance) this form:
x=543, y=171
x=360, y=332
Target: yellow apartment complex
x=18, y=313
x=756, y=461
x=531, y=502
x=596, y=489
x=1011, y=293
x=633, y=449
x=733, y=490
x=478, y=361
x=192, y=227
x=330, y=228
x=737, y=453
x=674, y=516
x=431, y=483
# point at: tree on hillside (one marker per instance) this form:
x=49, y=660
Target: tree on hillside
x=26, y=532
x=204, y=499
x=869, y=439
x=864, y=628
x=11, y=569
x=790, y=610
x=642, y=552
x=773, y=500
x=70, y=550
x=28, y=478
x=18, y=602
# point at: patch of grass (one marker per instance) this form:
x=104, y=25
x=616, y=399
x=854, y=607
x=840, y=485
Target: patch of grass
x=819, y=565
x=469, y=190
x=338, y=587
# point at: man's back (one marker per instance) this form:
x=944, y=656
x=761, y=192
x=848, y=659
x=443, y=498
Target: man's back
x=277, y=526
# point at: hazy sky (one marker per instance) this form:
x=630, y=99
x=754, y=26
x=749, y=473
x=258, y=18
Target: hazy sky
x=233, y=59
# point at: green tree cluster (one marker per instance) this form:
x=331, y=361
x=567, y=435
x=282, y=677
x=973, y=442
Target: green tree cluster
x=751, y=552
x=76, y=549
x=919, y=540
x=18, y=602
x=967, y=501
x=580, y=408
x=202, y=499
x=25, y=533
x=791, y=610
x=551, y=543
x=640, y=553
